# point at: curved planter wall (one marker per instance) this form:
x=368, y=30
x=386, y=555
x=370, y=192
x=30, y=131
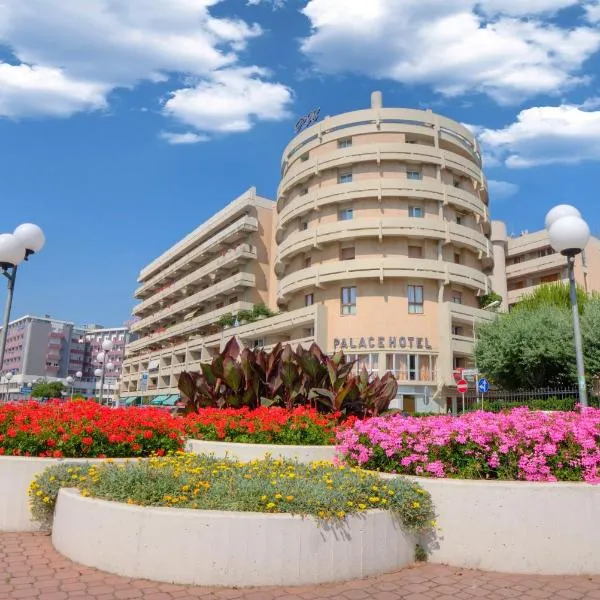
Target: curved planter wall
x=218, y=548
x=516, y=526
x=248, y=452
x=16, y=473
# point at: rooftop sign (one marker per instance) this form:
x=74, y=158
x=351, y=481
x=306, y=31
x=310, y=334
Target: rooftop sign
x=307, y=120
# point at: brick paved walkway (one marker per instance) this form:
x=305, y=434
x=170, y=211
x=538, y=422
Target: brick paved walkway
x=30, y=568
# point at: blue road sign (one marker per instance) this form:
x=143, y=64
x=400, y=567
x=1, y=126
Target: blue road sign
x=26, y=390
x=483, y=385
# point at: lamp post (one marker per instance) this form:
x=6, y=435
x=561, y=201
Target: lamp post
x=27, y=239
x=8, y=376
x=107, y=346
x=98, y=373
x=569, y=235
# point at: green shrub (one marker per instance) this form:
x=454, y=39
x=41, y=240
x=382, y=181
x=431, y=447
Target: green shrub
x=272, y=486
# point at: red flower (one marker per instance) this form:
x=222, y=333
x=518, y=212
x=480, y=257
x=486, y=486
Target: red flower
x=87, y=441
x=51, y=443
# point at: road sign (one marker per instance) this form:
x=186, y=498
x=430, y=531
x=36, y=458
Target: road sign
x=26, y=390
x=462, y=386
x=483, y=385
x=470, y=374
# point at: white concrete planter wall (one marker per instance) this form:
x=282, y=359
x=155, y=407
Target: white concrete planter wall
x=248, y=452
x=516, y=526
x=16, y=473
x=218, y=548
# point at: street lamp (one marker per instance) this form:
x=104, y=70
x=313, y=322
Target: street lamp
x=27, y=239
x=107, y=346
x=569, y=235
x=70, y=381
x=8, y=376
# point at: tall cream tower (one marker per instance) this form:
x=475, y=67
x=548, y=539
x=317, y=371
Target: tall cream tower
x=382, y=219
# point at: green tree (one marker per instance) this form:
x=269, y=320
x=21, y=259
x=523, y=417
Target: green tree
x=47, y=390
x=553, y=294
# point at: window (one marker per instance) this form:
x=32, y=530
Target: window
x=258, y=343
x=416, y=212
x=457, y=330
x=457, y=258
x=219, y=305
x=545, y=252
x=346, y=214
x=457, y=183
x=307, y=262
x=411, y=367
x=345, y=143
x=415, y=252
x=309, y=299
x=309, y=332
x=347, y=253
x=304, y=157
x=370, y=362
x=549, y=278
x=516, y=260
x=233, y=299
x=457, y=297
x=304, y=226
x=345, y=177
x=415, y=299
x=416, y=175
x=519, y=285
x=349, y=300
x=304, y=191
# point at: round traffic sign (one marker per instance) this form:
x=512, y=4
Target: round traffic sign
x=462, y=386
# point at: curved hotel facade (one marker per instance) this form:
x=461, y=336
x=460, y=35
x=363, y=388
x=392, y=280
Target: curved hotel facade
x=379, y=243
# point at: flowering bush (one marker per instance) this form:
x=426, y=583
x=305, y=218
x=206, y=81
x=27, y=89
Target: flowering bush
x=520, y=444
x=301, y=426
x=86, y=429
x=202, y=482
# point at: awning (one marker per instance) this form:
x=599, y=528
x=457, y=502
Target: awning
x=158, y=399
x=129, y=400
x=171, y=400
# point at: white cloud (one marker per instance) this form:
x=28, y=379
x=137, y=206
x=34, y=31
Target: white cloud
x=70, y=55
x=546, y=135
x=504, y=50
x=592, y=10
x=276, y=3
x=32, y=91
x=230, y=101
x=501, y=190
x=183, y=138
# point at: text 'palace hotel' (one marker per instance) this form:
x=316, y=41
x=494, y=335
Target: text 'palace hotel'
x=380, y=243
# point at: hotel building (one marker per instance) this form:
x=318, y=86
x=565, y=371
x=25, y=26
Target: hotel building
x=380, y=243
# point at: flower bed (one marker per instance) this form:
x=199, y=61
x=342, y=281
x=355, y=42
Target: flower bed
x=516, y=445
x=86, y=429
x=192, y=519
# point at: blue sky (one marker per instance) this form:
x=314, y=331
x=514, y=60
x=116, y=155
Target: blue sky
x=125, y=123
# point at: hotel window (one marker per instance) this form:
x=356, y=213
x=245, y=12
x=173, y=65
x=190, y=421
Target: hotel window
x=545, y=252
x=411, y=367
x=370, y=362
x=345, y=177
x=309, y=332
x=305, y=156
x=233, y=299
x=415, y=175
x=258, y=343
x=309, y=299
x=304, y=191
x=219, y=305
x=415, y=299
x=457, y=330
x=348, y=299
x=457, y=183
x=457, y=297
x=346, y=214
x=519, y=285
x=303, y=226
x=416, y=212
x=457, y=258
x=549, y=278
x=307, y=262
x=345, y=143
x=460, y=217
x=347, y=253
x=415, y=252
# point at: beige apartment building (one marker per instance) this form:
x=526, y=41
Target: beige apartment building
x=380, y=243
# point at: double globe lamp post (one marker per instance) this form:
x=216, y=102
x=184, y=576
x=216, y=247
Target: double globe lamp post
x=16, y=247
x=569, y=235
x=71, y=381
x=107, y=346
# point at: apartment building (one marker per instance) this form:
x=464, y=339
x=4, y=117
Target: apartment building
x=527, y=261
x=378, y=244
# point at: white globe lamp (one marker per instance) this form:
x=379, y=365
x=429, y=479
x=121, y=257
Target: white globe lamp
x=12, y=252
x=31, y=237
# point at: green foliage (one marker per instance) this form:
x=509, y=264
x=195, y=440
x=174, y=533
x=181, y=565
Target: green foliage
x=553, y=294
x=205, y=483
x=487, y=299
x=258, y=311
x=533, y=347
x=47, y=390
x=286, y=378
x=549, y=404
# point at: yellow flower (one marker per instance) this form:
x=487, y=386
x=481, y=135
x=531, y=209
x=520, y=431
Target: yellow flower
x=415, y=505
x=362, y=506
x=46, y=500
x=263, y=498
x=374, y=499
x=185, y=488
x=289, y=498
x=434, y=523
x=278, y=496
x=271, y=505
x=52, y=478
x=341, y=514
x=350, y=503
x=39, y=493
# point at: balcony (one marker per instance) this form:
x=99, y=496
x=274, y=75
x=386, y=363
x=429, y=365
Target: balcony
x=229, y=235
x=376, y=153
x=381, y=228
x=225, y=287
x=232, y=257
x=463, y=344
x=378, y=188
x=535, y=266
x=380, y=268
x=186, y=328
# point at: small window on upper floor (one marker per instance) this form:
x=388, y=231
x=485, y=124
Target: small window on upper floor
x=346, y=214
x=457, y=183
x=309, y=332
x=345, y=177
x=414, y=174
x=309, y=300
x=460, y=218
x=307, y=262
x=233, y=299
x=303, y=191
x=415, y=252
x=457, y=258
x=546, y=252
x=345, y=142
x=416, y=212
x=457, y=330
x=258, y=343
x=305, y=156
x=303, y=226
x=348, y=253
x=457, y=297
x=219, y=305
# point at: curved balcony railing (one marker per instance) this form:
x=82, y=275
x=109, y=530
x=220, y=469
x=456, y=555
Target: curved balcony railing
x=380, y=268
x=231, y=257
x=399, y=152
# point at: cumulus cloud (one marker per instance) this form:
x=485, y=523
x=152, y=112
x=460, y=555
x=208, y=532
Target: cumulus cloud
x=546, y=135
x=508, y=50
x=70, y=55
x=230, y=101
x=183, y=138
x=501, y=190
